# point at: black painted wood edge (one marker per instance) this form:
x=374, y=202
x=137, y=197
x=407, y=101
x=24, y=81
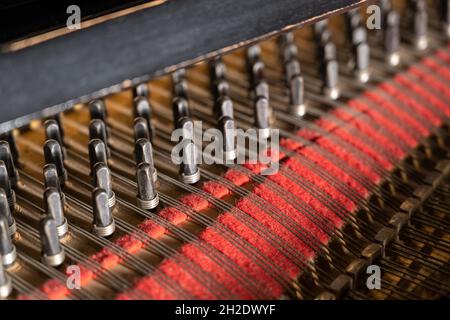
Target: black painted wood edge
x=52, y=76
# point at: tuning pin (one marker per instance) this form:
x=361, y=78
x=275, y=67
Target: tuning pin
x=224, y=107
x=219, y=85
x=178, y=75
x=286, y=39
x=140, y=129
x=142, y=109
x=189, y=172
x=385, y=5
x=97, y=130
x=180, y=109
x=103, y=224
x=391, y=37
x=330, y=77
x=253, y=53
x=97, y=153
x=53, y=205
x=255, y=65
x=292, y=69
x=102, y=180
x=297, y=96
x=144, y=154
x=6, y=186
x=289, y=52
x=328, y=68
x=53, y=154
x=226, y=127
x=444, y=12
x=180, y=88
x=6, y=212
x=141, y=90
x=262, y=117
x=52, y=253
x=361, y=53
x=8, y=252
x=320, y=26
x=261, y=89
x=419, y=21
x=53, y=132
x=7, y=158
x=217, y=68
x=97, y=110
x=147, y=197
x=5, y=283
x=51, y=179
x=9, y=137
x=353, y=20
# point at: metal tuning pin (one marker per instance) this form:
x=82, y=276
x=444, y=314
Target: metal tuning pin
x=103, y=224
x=54, y=207
x=51, y=179
x=6, y=186
x=97, y=153
x=53, y=154
x=360, y=47
x=180, y=108
x=143, y=151
x=141, y=129
x=147, y=197
x=224, y=107
x=102, y=180
x=179, y=83
x=419, y=23
x=262, y=117
x=255, y=68
x=391, y=37
x=97, y=130
x=7, y=157
x=219, y=85
x=97, y=110
x=227, y=128
x=189, y=172
x=142, y=109
x=9, y=137
x=8, y=252
x=141, y=90
x=292, y=69
x=53, y=132
x=5, y=283
x=5, y=212
x=328, y=66
x=52, y=253
x=444, y=13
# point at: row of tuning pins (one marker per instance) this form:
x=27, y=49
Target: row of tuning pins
x=417, y=22
x=189, y=171
x=9, y=178
x=99, y=153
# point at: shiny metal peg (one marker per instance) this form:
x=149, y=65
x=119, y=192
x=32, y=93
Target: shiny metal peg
x=52, y=253
x=5, y=283
x=103, y=223
x=53, y=154
x=5, y=212
x=6, y=186
x=147, y=197
x=102, y=180
x=8, y=252
x=7, y=157
x=54, y=207
x=143, y=151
